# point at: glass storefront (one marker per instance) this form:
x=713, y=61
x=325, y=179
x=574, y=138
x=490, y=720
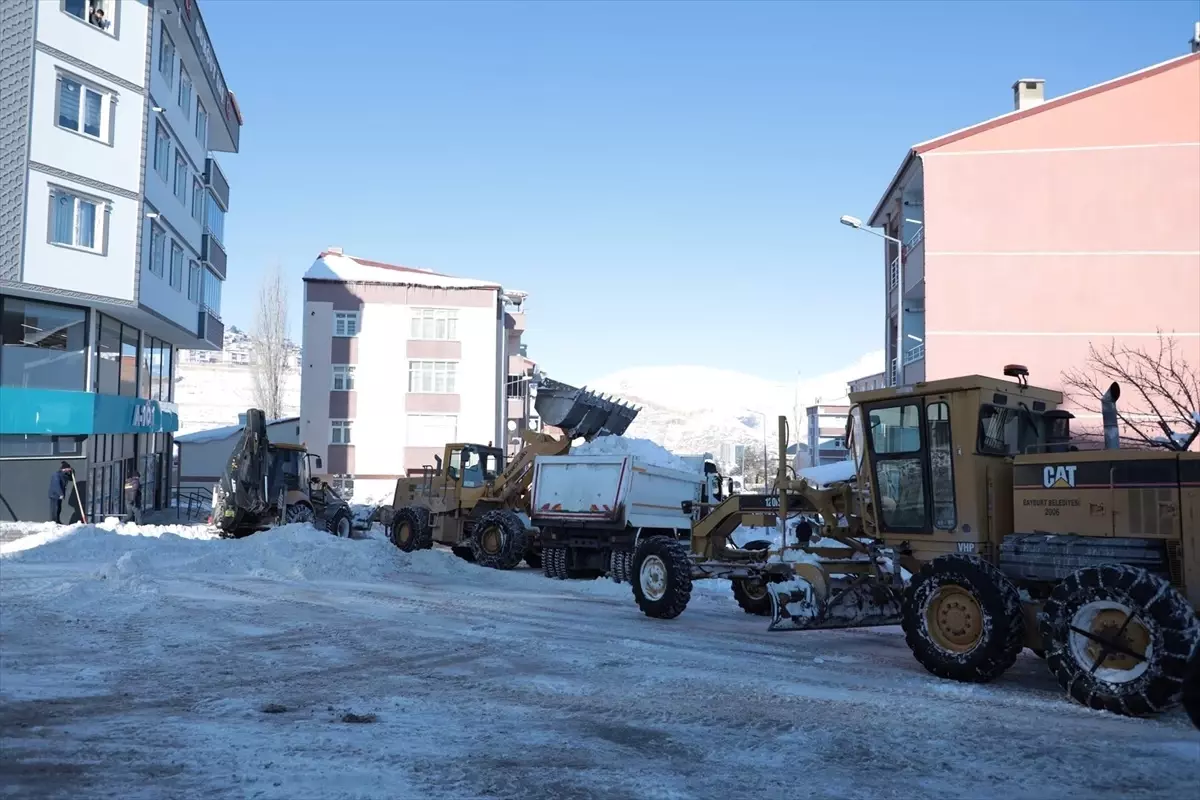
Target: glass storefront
x=44, y=345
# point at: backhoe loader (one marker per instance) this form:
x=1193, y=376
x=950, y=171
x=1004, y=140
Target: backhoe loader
x=478, y=506
x=975, y=522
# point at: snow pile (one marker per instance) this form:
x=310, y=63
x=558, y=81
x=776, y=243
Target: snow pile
x=643, y=449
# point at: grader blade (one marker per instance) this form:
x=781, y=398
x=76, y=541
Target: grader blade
x=581, y=413
x=793, y=608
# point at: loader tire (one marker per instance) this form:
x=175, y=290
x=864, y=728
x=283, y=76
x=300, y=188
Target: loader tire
x=752, y=595
x=341, y=524
x=1150, y=625
x=554, y=562
x=962, y=619
x=411, y=530
x=298, y=512
x=661, y=575
x=498, y=540
x=533, y=555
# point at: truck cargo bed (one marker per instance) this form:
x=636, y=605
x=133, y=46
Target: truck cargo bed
x=610, y=491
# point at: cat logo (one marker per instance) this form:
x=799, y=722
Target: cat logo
x=1059, y=477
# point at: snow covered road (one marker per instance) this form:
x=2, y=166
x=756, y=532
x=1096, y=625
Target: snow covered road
x=153, y=666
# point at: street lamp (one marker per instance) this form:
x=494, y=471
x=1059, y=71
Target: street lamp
x=857, y=224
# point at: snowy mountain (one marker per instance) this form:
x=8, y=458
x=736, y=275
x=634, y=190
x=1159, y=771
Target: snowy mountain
x=694, y=409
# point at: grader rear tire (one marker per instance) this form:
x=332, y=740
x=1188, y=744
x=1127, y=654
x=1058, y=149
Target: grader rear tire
x=753, y=596
x=498, y=540
x=662, y=577
x=962, y=619
x=1118, y=638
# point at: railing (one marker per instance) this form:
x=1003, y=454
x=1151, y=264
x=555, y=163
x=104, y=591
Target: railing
x=893, y=378
x=894, y=274
x=914, y=354
x=915, y=239
x=192, y=503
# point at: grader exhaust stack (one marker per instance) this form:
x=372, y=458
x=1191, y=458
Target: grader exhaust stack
x=581, y=413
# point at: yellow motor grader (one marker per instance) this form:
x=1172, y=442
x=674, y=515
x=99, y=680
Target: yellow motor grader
x=969, y=517
x=472, y=502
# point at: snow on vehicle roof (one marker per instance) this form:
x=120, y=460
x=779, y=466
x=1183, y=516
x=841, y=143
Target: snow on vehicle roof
x=649, y=452
x=334, y=266
x=826, y=474
x=216, y=434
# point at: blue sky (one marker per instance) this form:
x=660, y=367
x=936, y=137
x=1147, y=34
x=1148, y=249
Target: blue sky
x=664, y=179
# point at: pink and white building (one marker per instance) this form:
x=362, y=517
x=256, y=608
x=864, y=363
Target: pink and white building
x=399, y=361
x=1067, y=221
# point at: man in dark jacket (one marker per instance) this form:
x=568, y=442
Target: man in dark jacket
x=60, y=483
x=133, y=498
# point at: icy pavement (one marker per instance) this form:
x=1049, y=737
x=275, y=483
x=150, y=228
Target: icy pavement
x=138, y=663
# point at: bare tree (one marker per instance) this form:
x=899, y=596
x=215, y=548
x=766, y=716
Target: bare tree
x=269, y=344
x=1164, y=388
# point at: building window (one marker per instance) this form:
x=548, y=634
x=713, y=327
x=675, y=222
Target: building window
x=212, y=293
x=83, y=108
x=345, y=323
x=129, y=360
x=181, y=176
x=162, y=151
x=97, y=13
x=193, y=282
x=158, y=249
x=106, y=374
x=432, y=377
x=166, y=55
x=176, y=266
x=146, y=368
x=339, y=431
x=435, y=323
x=76, y=221
x=37, y=445
x=214, y=219
x=515, y=386
x=44, y=346
x=197, y=200
x=343, y=485
x=201, y=125
x=185, y=91
x=343, y=378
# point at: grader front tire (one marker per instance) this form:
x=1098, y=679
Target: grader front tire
x=962, y=619
x=1118, y=638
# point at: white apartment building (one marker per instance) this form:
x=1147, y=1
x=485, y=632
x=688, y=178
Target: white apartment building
x=111, y=236
x=397, y=362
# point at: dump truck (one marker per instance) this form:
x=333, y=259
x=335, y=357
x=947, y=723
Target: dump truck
x=473, y=502
x=266, y=483
x=590, y=510
x=975, y=522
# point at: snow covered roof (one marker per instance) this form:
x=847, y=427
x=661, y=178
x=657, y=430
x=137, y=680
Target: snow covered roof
x=217, y=434
x=334, y=265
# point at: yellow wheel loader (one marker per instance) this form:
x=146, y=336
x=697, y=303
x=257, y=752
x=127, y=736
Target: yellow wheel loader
x=969, y=517
x=477, y=505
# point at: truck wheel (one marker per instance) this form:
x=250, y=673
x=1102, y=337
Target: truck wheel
x=554, y=562
x=962, y=619
x=662, y=577
x=752, y=595
x=1118, y=638
x=620, y=566
x=410, y=529
x=340, y=524
x=298, y=512
x=498, y=540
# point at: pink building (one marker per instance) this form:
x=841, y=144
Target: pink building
x=1067, y=221
x=397, y=362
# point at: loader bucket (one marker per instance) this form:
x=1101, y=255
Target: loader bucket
x=581, y=413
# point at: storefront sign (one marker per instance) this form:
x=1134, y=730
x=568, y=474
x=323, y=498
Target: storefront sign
x=63, y=413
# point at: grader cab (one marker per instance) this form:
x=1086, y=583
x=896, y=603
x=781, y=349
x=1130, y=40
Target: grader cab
x=477, y=505
x=975, y=522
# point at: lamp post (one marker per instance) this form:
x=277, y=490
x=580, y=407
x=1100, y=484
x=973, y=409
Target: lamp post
x=857, y=224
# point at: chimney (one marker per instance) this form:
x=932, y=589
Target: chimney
x=1196, y=39
x=1028, y=92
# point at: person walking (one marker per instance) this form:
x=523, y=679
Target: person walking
x=133, y=498
x=60, y=481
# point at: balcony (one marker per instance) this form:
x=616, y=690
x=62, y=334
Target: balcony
x=914, y=354
x=914, y=264
x=214, y=179
x=211, y=329
x=893, y=376
x=212, y=252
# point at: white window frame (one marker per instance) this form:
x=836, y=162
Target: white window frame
x=110, y=15
x=155, y=254
x=424, y=373
x=162, y=159
x=346, y=324
x=182, y=172
x=343, y=377
x=425, y=321
x=201, y=128
x=103, y=207
x=195, y=277
x=197, y=199
x=343, y=485
x=185, y=94
x=341, y=431
x=107, y=101
x=176, y=276
x=166, y=50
